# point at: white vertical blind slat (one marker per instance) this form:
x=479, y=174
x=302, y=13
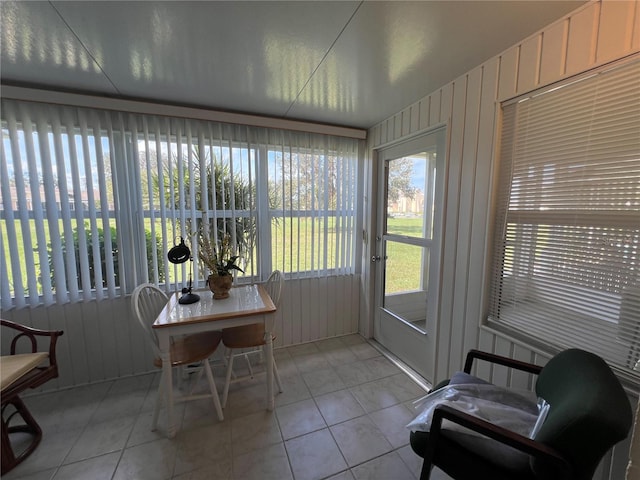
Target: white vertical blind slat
x=89, y=191
x=253, y=199
x=193, y=154
x=14, y=152
x=204, y=151
x=50, y=211
x=116, y=141
x=170, y=148
x=151, y=202
x=161, y=171
x=97, y=133
x=300, y=203
x=133, y=209
x=5, y=290
x=314, y=209
x=34, y=190
x=70, y=271
x=326, y=206
x=83, y=256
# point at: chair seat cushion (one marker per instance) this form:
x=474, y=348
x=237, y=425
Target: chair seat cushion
x=515, y=411
x=192, y=348
x=13, y=367
x=246, y=336
x=484, y=457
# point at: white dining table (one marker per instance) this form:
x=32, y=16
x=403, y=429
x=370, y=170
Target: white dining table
x=244, y=303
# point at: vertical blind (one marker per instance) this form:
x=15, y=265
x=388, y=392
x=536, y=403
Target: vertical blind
x=93, y=199
x=567, y=246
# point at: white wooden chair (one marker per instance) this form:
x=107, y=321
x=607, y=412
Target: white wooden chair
x=251, y=337
x=147, y=302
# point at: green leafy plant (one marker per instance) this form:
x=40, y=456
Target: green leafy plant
x=86, y=231
x=223, y=190
x=217, y=256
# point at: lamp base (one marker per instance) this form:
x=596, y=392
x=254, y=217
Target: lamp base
x=188, y=298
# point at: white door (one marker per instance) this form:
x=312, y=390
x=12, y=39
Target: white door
x=407, y=257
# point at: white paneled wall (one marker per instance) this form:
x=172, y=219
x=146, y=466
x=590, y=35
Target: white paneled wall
x=103, y=341
x=593, y=35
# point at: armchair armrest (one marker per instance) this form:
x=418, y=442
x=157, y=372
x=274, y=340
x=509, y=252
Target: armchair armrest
x=19, y=372
x=500, y=360
x=495, y=432
x=30, y=334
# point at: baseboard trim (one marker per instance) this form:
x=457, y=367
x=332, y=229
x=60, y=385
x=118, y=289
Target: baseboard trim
x=415, y=376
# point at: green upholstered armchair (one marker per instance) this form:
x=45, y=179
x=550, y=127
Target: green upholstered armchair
x=589, y=413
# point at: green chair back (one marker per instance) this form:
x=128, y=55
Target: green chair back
x=589, y=413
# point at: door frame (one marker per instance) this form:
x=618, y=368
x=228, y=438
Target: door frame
x=374, y=272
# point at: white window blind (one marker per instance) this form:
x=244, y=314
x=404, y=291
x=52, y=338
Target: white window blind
x=313, y=204
x=567, y=245
x=93, y=199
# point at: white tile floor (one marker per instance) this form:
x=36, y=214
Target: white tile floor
x=342, y=416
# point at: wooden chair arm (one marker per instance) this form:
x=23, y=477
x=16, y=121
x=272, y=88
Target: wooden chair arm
x=495, y=432
x=500, y=360
x=30, y=334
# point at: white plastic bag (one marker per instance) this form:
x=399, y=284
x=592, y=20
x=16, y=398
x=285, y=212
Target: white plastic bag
x=543, y=410
x=500, y=406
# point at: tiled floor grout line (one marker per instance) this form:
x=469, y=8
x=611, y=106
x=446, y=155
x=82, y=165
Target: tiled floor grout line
x=301, y=371
x=152, y=389
x=84, y=428
x=403, y=368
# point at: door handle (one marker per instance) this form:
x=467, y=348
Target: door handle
x=375, y=258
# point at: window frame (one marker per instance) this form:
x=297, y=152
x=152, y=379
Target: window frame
x=125, y=133
x=537, y=234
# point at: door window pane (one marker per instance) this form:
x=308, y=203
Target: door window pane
x=406, y=282
x=410, y=194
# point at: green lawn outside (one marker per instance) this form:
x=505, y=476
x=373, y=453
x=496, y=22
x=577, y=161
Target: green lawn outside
x=306, y=247
x=404, y=262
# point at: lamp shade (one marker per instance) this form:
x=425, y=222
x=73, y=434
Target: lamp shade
x=179, y=253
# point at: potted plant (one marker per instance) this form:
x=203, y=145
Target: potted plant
x=218, y=257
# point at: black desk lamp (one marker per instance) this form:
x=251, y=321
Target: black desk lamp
x=179, y=254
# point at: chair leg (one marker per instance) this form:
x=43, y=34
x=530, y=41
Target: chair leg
x=227, y=381
x=425, y=473
x=198, y=377
x=214, y=390
x=156, y=409
x=180, y=375
x=246, y=358
x=228, y=353
x=9, y=458
x=277, y=376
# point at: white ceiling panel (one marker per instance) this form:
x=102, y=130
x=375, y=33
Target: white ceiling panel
x=234, y=55
x=38, y=48
x=409, y=52
x=350, y=63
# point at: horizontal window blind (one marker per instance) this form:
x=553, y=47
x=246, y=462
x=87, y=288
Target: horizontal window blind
x=92, y=200
x=566, y=269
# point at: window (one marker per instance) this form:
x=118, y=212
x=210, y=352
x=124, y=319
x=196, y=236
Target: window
x=567, y=249
x=92, y=200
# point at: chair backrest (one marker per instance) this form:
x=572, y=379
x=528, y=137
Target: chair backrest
x=273, y=285
x=147, y=302
x=589, y=410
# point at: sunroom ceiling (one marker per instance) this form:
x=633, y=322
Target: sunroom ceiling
x=350, y=63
